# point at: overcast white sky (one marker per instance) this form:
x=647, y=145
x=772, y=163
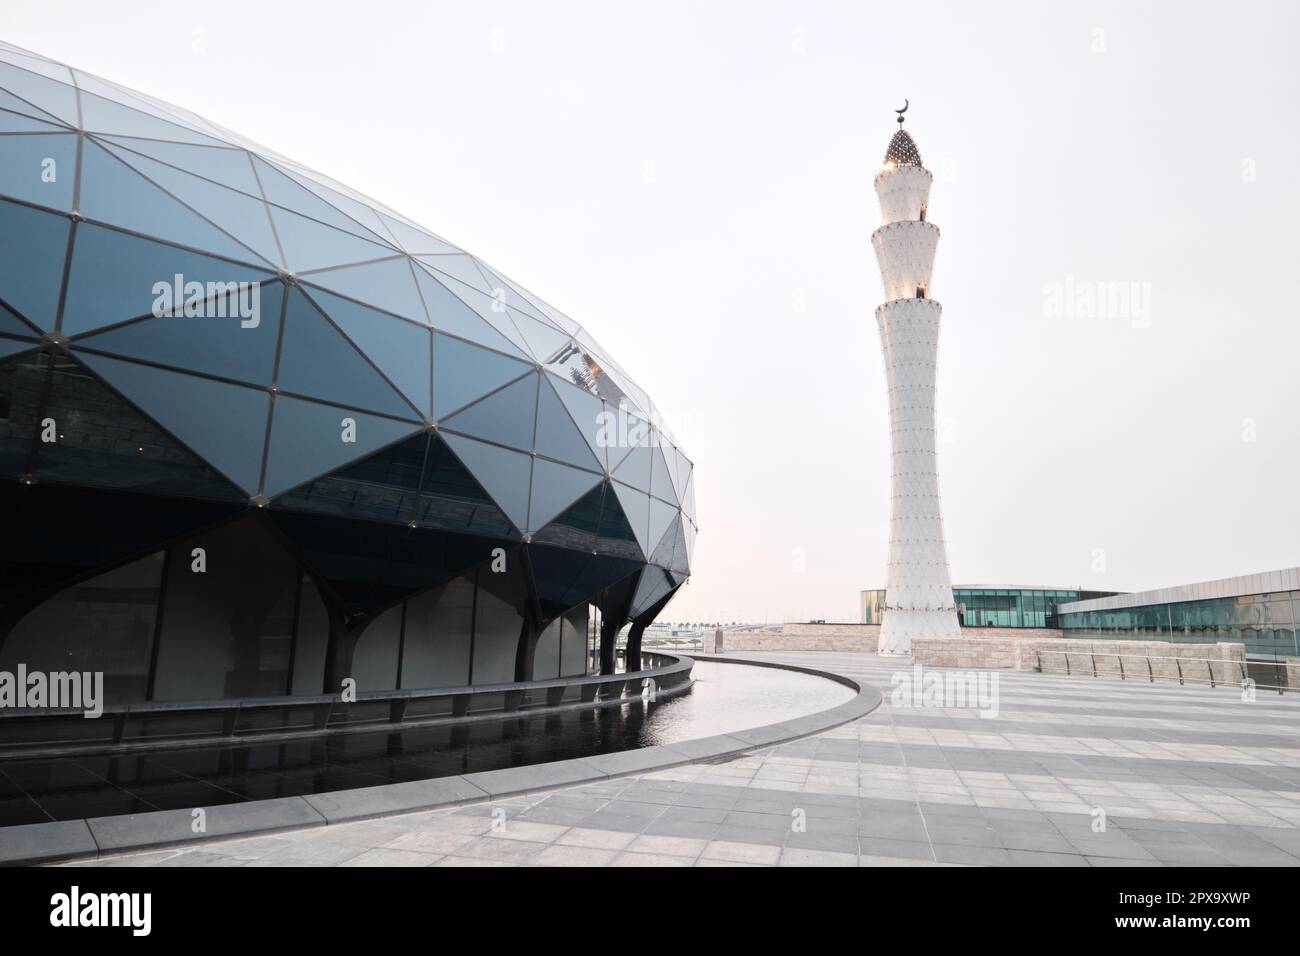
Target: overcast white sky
x=692, y=182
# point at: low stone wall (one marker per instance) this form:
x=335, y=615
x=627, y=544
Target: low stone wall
x=979, y=652
x=1145, y=660
x=798, y=636
x=806, y=637
x=1139, y=660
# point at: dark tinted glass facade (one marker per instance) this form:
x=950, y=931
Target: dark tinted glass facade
x=392, y=462
x=1265, y=623
x=995, y=607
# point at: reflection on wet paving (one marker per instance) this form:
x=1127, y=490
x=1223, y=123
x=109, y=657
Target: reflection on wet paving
x=725, y=697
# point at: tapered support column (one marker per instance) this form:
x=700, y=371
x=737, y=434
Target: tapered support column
x=634, y=634
x=608, y=635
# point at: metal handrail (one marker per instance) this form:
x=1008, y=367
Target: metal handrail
x=1242, y=665
x=669, y=665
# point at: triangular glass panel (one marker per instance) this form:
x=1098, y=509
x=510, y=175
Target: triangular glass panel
x=228, y=347
x=505, y=417
x=142, y=102
x=449, y=314
x=13, y=119
x=636, y=506
x=557, y=435
x=589, y=413
x=661, y=483
x=401, y=349
x=688, y=502
x=386, y=285
x=11, y=324
x=309, y=244
x=576, y=526
x=33, y=246
x=222, y=164
x=533, y=305
x=616, y=536
x=39, y=169
x=10, y=346
x=459, y=266
x=635, y=465
x=34, y=62
x=504, y=475
x=415, y=240
x=654, y=584
x=353, y=208
x=116, y=277
x=618, y=378
x=244, y=217
x=512, y=296
x=577, y=366
x=388, y=487
x=679, y=466
x=661, y=517
x=463, y=373
x=280, y=189
x=453, y=499
x=689, y=529
x=317, y=361
x=663, y=552
x=543, y=340
x=556, y=487
x=309, y=440
x=224, y=424
x=681, y=558
x=100, y=115
x=383, y=487
x=104, y=442
x=554, y=572
x=113, y=193
x=52, y=97
x=481, y=304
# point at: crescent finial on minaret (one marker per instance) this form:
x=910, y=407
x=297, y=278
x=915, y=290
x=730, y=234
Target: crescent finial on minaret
x=906, y=104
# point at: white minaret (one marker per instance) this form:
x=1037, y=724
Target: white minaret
x=918, y=594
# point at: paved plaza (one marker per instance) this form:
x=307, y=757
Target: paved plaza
x=1072, y=771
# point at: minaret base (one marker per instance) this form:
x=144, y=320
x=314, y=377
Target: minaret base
x=899, y=627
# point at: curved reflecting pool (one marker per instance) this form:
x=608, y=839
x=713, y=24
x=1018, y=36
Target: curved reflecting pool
x=724, y=698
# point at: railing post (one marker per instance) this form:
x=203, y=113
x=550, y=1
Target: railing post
x=1179, y=662
x=1093, y=655
x=229, y=721
x=1150, y=673
x=1120, y=659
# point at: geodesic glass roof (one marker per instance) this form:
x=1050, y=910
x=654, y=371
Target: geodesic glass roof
x=112, y=201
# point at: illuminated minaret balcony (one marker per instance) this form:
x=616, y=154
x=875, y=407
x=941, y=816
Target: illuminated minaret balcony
x=918, y=595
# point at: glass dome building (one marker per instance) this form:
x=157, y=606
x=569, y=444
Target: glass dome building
x=259, y=433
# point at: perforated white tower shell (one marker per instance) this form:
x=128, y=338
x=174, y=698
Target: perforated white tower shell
x=918, y=593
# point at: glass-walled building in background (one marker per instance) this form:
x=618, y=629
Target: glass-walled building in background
x=1258, y=610
x=994, y=606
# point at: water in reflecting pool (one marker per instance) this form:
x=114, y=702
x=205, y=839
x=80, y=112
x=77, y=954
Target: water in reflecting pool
x=725, y=697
